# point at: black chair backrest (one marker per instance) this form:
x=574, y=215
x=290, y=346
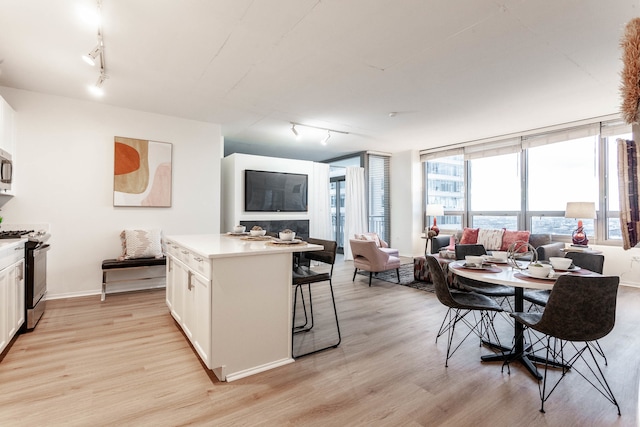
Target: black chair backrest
x=469, y=249
x=440, y=283
x=580, y=308
x=592, y=262
x=326, y=255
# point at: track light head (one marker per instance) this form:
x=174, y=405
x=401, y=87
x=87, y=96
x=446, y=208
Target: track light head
x=295, y=132
x=326, y=138
x=90, y=58
x=97, y=88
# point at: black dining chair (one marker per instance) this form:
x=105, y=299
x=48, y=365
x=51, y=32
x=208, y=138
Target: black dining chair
x=580, y=310
x=500, y=292
x=474, y=310
x=305, y=276
x=591, y=262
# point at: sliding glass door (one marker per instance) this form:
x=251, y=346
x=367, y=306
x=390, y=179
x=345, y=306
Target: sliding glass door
x=337, y=210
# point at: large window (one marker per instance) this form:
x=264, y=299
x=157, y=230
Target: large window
x=494, y=186
x=445, y=186
x=379, y=206
x=562, y=172
x=525, y=182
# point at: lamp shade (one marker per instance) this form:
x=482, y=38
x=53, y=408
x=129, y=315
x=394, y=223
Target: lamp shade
x=435, y=210
x=580, y=210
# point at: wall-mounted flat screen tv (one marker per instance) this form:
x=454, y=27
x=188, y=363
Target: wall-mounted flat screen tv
x=275, y=191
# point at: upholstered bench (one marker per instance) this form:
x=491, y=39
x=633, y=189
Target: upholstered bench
x=115, y=264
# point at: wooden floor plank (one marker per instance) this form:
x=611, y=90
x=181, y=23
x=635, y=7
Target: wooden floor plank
x=125, y=362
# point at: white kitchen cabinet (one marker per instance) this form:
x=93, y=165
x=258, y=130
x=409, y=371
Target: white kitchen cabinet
x=177, y=277
x=12, y=304
x=7, y=127
x=188, y=295
x=198, y=322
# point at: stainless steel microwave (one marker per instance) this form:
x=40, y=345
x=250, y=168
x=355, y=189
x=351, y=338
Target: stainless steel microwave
x=6, y=170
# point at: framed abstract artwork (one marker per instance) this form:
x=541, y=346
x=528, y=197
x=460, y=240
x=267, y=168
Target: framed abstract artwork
x=141, y=173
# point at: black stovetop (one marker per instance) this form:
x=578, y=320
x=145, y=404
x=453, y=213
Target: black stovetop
x=14, y=234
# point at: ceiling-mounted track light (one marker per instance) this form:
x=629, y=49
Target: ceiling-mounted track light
x=96, y=56
x=295, y=132
x=91, y=57
x=326, y=138
x=97, y=88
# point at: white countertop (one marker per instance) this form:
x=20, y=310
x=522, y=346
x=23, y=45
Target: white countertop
x=11, y=243
x=224, y=245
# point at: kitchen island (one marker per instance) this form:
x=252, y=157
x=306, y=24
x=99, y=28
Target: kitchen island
x=232, y=298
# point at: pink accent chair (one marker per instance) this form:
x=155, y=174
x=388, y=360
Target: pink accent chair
x=381, y=244
x=368, y=257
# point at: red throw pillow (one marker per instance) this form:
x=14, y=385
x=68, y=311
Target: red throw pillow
x=514, y=236
x=469, y=236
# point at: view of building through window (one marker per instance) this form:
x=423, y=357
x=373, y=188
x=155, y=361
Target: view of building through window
x=504, y=193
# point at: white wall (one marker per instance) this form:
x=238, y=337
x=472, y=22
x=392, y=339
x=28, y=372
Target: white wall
x=64, y=177
x=233, y=167
x=406, y=203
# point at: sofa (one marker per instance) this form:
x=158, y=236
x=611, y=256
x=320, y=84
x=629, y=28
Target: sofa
x=492, y=239
x=542, y=242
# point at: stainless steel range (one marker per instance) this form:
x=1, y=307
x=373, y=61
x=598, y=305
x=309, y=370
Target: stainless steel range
x=35, y=272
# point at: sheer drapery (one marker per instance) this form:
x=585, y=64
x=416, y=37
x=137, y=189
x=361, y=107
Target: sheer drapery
x=354, y=206
x=320, y=216
x=628, y=180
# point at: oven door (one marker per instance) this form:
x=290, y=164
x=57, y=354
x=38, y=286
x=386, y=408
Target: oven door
x=36, y=274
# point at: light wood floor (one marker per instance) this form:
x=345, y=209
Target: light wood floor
x=125, y=362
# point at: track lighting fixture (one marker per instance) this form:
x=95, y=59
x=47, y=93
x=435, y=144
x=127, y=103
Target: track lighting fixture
x=324, y=140
x=90, y=58
x=97, y=56
x=295, y=132
x=97, y=88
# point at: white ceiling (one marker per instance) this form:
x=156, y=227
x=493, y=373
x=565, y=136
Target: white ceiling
x=452, y=70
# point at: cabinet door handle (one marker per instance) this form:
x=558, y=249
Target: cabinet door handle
x=185, y=252
x=20, y=272
x=198, y=259
x=189, y=276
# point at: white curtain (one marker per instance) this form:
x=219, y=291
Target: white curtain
x=354, y=207
x=320, y=217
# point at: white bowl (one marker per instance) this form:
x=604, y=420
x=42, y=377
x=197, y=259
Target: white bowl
x=239, y=229
x=501, y=255
x=257, y=233
x=287, y=236
x=539, y=270
x=560, y=263
x=473, y=261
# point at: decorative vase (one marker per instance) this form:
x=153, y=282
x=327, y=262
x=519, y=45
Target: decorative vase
x=435, y=228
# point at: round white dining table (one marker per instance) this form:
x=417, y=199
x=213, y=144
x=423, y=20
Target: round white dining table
x=505, y=274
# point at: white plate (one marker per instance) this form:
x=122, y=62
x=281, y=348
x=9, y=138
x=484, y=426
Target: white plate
x=574, y=268
x=482, y=267
x=551, y=276
x=287, y=242
x=496, y=260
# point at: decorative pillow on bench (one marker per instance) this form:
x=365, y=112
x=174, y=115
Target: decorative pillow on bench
x=141, y=244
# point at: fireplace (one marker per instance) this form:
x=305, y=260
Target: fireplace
x=300, y=226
